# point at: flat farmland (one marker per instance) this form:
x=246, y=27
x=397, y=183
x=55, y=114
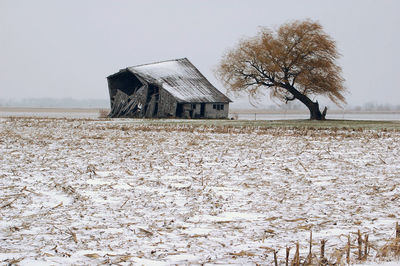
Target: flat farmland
x=91, y=191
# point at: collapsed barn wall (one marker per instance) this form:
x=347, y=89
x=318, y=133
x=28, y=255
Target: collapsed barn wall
x=131, y=97
x=123, y=81
x=127, y=95
x=129, y=105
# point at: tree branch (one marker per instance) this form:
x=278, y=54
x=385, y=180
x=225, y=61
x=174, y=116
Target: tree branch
x=258, y=80
x=289, y=99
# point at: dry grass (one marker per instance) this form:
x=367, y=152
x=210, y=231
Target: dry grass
x=103, y=113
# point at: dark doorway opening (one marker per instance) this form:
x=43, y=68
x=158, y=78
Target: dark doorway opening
x=155, y=111
x=202, y=110
x=179, y=110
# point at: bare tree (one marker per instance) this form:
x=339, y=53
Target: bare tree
x=297, y=61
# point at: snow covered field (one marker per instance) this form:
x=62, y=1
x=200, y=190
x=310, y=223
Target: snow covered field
x=76, y=191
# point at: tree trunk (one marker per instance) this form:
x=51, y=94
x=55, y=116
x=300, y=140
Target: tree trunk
x=315, y=113
x=313, y=107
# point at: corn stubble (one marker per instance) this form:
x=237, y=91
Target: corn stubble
x=99, y=191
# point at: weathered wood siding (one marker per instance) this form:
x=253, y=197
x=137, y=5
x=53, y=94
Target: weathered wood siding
x=211, y=112
x=166, y=105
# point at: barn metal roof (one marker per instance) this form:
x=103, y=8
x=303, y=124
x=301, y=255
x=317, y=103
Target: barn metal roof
x=181, y=79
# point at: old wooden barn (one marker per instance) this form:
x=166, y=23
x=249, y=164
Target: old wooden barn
x=173, y=88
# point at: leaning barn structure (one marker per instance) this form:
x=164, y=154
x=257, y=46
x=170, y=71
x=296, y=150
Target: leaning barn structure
x=174, y=88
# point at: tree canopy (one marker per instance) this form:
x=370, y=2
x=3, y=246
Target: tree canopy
x=297, y=61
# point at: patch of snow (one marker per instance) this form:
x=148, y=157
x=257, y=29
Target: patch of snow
x=86, y=192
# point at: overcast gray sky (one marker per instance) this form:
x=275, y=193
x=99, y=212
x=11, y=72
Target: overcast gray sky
x=60, y=49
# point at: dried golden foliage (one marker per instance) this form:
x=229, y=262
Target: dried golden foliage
x=296, y=61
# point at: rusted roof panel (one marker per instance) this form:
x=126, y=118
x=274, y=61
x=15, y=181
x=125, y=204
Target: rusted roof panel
x=181, y=79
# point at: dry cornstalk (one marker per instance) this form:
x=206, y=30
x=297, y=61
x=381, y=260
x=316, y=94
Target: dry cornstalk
x=73, y=235
x=124, y=203
x=92, y=255
x=147, y=232
x=58, y=205
x=348, y=250
x=302, y=165
x=310, y=252
x=323, y=242
x=359, y=242
x=287, y=256
x=275, y=258
x=296, y=258
x=366, y=247
x=323, y=260
x=33, y=192
x=8, y=204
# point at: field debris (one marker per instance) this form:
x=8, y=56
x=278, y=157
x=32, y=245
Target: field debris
x=76, y=191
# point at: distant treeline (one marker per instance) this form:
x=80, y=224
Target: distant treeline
x=299, y=106
x=105, y=103
x=376, y=107
x=55, y=102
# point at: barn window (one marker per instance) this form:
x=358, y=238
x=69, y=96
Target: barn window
x=218, y=106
